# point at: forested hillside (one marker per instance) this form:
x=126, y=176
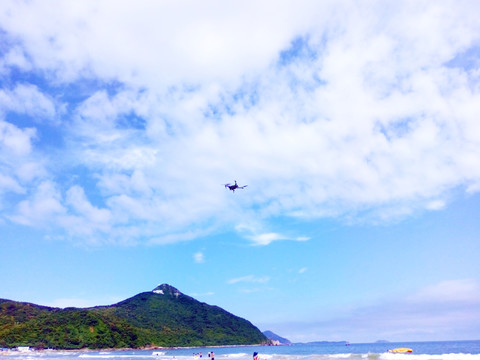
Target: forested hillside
x=163, y=317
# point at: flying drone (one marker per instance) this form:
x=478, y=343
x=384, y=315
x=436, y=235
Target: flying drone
x=234, y=186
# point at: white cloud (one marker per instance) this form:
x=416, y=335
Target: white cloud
x=436, y=205
x=199, y=257
x=16, y=57
x=30, y=169
x=85, y=218
x=15, y=141
x=28, y=99
x=330, y=109
x=9, y=184
x=253, y=230
x=268, y=238
x=20, y=167
x=186, y=42
x=42, y=208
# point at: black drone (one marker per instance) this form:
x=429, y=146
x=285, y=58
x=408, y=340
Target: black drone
x=234, y=186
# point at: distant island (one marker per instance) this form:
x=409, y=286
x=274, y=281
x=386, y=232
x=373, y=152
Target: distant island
x=163, y=317
x=327, y=342
x=278, y=340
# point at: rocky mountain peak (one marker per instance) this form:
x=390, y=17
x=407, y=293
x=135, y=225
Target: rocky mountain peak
x=165, y=289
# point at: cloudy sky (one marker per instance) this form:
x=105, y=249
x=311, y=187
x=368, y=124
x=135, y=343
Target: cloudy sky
x=355, y=125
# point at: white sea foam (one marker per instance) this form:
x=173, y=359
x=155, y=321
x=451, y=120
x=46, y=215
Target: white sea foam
x=340, y=356
x=244, y=356
x=239, y=355
x=123, y=356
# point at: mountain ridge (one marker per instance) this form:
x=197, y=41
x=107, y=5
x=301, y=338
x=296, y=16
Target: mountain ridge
x=277, y=339
x=163, y=317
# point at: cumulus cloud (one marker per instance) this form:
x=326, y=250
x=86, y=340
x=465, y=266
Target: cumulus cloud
x=324, y=110
x=20, y=167
x=86, y=217
x=15, y=141
x=15, y=58
x=8, y=184
x=42, y=208
x=29, y=100
x=154, y=42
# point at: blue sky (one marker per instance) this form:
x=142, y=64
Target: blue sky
x=355, y=125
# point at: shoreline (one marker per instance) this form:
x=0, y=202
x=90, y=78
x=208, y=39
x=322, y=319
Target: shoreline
x=151, y=348
x=438, y=350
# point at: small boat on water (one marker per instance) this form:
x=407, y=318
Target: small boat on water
x=400, y=350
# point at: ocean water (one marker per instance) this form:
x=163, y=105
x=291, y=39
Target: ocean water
x=439, y=350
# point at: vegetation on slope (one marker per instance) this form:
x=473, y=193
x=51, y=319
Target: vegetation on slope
x=164, y=317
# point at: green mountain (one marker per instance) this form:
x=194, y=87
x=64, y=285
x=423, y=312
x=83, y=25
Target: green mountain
x=163, y=317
